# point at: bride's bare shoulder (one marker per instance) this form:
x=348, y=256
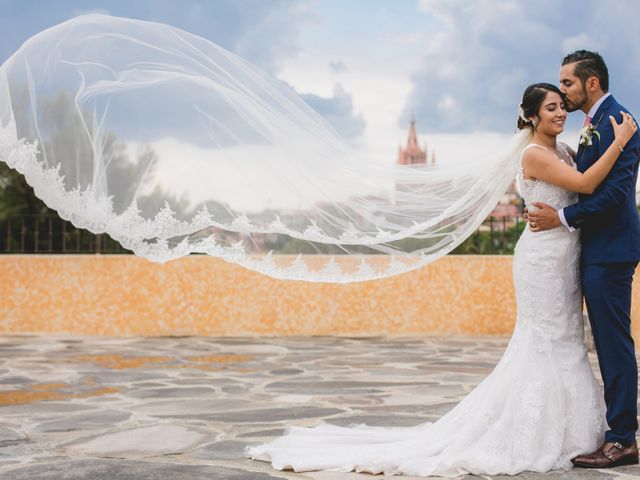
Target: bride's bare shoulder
x=535, y=152
x=534, y=157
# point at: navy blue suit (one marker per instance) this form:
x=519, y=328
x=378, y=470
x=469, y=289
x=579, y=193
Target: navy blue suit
x=610, y=235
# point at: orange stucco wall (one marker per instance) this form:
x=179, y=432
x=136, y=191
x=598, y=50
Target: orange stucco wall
x=200, y=295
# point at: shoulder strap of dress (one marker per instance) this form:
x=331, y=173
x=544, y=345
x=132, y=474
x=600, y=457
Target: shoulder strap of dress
x=534, y=145
x=522, y=154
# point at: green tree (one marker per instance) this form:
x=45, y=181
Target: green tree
x=69, y=138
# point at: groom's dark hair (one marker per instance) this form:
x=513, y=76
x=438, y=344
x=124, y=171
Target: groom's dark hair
x=589, y=64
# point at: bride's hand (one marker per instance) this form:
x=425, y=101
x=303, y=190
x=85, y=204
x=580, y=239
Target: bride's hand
x=625, y=130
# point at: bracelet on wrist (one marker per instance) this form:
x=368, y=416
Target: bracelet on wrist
x=618, y=145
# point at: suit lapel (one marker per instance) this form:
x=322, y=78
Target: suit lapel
x=598, y=116
x=604, y=106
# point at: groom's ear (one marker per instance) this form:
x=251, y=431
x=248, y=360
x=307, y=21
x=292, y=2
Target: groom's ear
x=592, y=84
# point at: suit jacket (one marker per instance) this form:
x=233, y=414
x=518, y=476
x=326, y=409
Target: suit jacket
x=608, y=218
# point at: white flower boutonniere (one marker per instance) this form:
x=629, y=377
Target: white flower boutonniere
x=586, y=134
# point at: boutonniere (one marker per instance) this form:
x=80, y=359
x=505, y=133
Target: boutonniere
x=587, y=132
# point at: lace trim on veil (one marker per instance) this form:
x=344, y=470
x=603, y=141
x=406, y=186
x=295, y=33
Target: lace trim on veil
x=85, y=209
x=456, y=201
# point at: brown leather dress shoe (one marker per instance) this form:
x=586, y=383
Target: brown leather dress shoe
x=609, y=455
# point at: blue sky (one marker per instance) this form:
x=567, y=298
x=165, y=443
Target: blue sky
x=459, y=66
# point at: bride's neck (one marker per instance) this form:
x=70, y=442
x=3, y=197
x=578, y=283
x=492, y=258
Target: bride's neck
x=546, y=140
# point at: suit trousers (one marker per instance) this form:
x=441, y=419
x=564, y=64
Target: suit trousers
x=607, y=291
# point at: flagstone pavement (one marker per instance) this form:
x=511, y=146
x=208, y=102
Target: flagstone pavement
x=142, y=408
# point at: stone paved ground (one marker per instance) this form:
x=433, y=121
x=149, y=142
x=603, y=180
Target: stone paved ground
x=77, y=408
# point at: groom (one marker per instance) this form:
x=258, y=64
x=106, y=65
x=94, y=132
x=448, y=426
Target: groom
x=610, y=235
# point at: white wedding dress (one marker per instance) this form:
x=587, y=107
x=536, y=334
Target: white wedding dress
x=539, y=407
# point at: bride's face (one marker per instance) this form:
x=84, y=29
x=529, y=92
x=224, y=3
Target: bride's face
x=552, y=115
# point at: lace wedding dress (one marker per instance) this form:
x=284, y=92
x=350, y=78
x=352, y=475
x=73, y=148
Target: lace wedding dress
x=539, y=407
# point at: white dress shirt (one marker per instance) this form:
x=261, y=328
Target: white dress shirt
x=591, y=114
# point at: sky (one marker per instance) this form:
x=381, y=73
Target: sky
x=459, y=67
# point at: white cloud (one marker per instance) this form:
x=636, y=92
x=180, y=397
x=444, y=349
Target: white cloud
x=378, y=91
x=488, y=51
x=447, y=105
x=337, y=66
x=265, y=33
x=577, y=42
x=460, y=66
x=338, y=111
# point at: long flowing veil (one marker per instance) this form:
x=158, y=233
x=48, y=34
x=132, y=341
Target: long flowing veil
x=173, y=145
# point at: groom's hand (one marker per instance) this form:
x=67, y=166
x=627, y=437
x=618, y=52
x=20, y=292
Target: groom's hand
x=545, y=218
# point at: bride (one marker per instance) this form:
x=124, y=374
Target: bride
x=541, y=406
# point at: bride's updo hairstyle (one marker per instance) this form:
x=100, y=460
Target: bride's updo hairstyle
x=532, y=99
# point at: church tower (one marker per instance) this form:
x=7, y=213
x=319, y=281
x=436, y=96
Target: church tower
x=413, y=154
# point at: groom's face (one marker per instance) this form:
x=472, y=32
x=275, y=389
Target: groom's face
x=572, y=87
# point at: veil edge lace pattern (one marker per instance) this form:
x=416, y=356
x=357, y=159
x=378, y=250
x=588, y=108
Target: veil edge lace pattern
x=73, y=168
